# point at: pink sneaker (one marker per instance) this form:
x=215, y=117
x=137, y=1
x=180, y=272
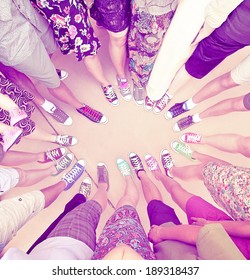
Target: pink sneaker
x=16, y=115
x=152, y=163
x=124, y=88
x=148, y=103
x=53, y=155
x=190, y=137
x=10, y=137
x=161, y=104
x=110, y=95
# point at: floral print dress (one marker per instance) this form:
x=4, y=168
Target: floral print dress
x=229, y=186
x=71, y=26
x=149, y=23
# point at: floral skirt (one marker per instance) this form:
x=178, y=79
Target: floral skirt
x=71, y=26
x=123, y=226
x=21, y=98
x=144, y=41
x=229, y=186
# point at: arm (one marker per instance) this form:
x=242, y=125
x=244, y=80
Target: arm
x=233, y=228
x=122, y=252
x=183, y=233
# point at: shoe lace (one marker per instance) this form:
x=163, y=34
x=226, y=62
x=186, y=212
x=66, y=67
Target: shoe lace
x=91, y=113
x=162, y=102
x=167, y=161
x=53, y=154
x=185, y=122
x=136, y=162
x=124, y=168
x=193, y=137
x=149, y=101
x=152, y=164
x=63, y=162
x=58, y=114
x=185, y=149
x=72, y=174
x=109, y=93
x=64, y=140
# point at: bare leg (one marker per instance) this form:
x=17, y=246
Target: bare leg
x=52, y=192
x=64, y=94
x=39, y=134
x=101, y=195
x=234, y=143
x=94, y=67
x=118, y=51
x=181, y=79
x=149, y=189
x=12, y=158
x=214, y=87
x=224, y=107
x=131, y=195
x=28, y=178
x=179, y=195
x=6, y=103
x=192, y=172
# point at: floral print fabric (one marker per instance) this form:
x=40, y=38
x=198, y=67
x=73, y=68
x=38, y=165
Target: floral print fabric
x=72, y=29
x=230, y=188
x=149, y=23
x=123, y=226
x=21, y=98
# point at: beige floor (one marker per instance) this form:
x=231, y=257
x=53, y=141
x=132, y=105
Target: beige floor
x=130, y=128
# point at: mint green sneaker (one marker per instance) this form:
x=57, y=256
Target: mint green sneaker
x=124, y=167
x=182, y=149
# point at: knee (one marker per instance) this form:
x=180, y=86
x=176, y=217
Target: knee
x=244, y=146
x=226, y=81
x=236, y=104
x=22, y=177
x=118, y=41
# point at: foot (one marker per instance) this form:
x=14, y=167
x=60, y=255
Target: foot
x=10, y=137
x=103, y=175
x=176, y=110
x=63, y=163
x=85, y=187
x=124, y=88
x=60, y=116
x=53, y=155
x=136, y=163
x=124, y=167
x=16, y=115
x=161, y=104
x=74, y=174
x=110, y=95
x=167, y=162
x=139, y=95
x=66, y=140
x=183, y=123
x=92, y=114
x=62, y=74
x=182, y=149
x=191, y=137
x=148, y=104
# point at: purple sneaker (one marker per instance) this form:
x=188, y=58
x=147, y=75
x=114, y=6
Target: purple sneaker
x=176, y=110
x=92, y=114
x=183, y=123
x=136, y=163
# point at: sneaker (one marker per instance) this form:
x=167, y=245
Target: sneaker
x=176, y=110
x=167, y=162
x=183, y=123
x=102, y=174
x=85, y=187
x=74, y=174
x=182, y=149
x=124, y=88
x=53, y=155
x=136, y=163
x=190, y=137
x=63, y=163
x=92, y=114
x=161, y=104
x=16, y=115
x=124, y=167
x=152, y=163
x=139, y=95
x=148, y=104
x=10, y=137
x=62, y=74
x=65, y=140
x=60, y=116
x=110, y=95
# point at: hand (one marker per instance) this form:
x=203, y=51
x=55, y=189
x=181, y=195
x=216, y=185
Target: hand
x=199, y=221
x=154, y=234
